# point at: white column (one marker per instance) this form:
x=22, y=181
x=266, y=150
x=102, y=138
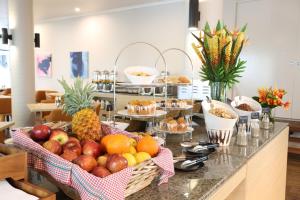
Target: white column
x=22, y=60
x=211, y=11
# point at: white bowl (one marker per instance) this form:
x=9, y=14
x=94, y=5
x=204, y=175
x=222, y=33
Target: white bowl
x=119, y=125
x=218, y=123
x=153, y=73
x=251, y=102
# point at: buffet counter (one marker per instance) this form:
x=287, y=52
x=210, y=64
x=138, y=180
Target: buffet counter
x=256, y=171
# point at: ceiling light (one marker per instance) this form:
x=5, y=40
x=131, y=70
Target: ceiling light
x=77, y=9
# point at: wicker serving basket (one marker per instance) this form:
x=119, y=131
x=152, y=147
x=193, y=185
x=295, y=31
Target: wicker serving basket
x=142, y=175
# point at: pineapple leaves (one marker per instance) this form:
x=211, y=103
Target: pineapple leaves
x=77, y=96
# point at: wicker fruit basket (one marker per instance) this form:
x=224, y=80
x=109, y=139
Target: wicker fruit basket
x=79, y=184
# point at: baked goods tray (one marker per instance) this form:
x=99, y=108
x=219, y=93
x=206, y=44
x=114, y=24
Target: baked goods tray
x=157, y=113
x=188, y=130
x=152, y=85
x=178, y=108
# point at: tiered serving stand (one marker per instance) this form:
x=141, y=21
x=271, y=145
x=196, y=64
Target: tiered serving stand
x=188, y=110
x=162, y=111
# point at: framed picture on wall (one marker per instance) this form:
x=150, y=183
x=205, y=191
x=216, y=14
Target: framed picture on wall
x=79, y=64
x=44, y=65
x=4, y=69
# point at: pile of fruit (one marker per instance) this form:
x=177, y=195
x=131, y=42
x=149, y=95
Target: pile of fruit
x=110, y=154
x=93, y=152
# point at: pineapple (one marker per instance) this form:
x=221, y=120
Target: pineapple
x=78, y=104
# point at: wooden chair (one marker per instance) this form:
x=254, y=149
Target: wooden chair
x=5, y=109
x=41, y=95
x=13, y=167
x=57, y=116
x=7, y=92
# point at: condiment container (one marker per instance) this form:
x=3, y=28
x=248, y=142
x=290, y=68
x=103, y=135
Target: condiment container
x=242, y=135
x=255, y=128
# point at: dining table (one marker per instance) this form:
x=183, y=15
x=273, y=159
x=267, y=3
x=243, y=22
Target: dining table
x=5, y=97
x=39, y=108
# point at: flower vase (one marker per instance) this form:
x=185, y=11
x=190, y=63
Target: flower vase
x=271, y=115
x=218, y=91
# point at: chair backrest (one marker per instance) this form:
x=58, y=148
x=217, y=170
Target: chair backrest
x=7, y=91
x=41, y=95
x=5, y=106
x=58, y=115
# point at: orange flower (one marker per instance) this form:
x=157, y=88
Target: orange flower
x=279, y=101
x=270, y=101
x=286, y=105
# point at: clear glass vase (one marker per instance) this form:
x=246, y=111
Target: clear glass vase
x=218, y=91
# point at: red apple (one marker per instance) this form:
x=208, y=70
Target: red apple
x=69, y=155
x=53, y=146
x=74, y=146
x=74, y=139
x=82, y=142
x=100, y=171
x=86, y=162
x=91, y=148
x=116, y=162
x=40, y=133
x=59, y=135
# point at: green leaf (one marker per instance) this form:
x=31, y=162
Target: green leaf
x=207, y=28
x=244, y=28
x=219, y=26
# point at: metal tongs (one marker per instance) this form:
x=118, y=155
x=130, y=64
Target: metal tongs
x=190, y=163
x=210, y=102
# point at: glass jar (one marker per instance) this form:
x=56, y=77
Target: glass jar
x=242, y=135
x=255, y=128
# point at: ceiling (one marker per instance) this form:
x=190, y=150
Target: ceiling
x=51, y=9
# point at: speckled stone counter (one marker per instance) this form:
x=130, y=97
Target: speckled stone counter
x=220, y=166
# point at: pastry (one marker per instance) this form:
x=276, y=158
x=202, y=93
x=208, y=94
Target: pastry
x=173, y=125
x=174, y=79
x=183, y=79
x=221, y=112
x=174, y=103
x=141, y=107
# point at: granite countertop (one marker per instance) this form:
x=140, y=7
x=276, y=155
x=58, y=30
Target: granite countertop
x=220, y=166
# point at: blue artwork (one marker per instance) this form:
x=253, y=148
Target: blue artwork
x=79, y=64
x=44, y=65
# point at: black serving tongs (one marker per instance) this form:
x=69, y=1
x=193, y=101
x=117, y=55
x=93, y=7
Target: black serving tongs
x=203, y=148
x=190, y=165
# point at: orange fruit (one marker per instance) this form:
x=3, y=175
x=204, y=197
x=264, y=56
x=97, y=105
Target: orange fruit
x=116, y=144
x=148, y=144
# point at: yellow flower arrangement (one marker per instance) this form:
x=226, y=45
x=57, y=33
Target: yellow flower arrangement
x=219, y=52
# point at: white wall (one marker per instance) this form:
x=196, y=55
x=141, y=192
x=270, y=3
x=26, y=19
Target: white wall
x=104, y=35
x=273, y=30
x=4, y=72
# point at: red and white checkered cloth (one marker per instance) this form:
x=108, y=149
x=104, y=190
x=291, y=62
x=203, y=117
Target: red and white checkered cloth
x=88, y=186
